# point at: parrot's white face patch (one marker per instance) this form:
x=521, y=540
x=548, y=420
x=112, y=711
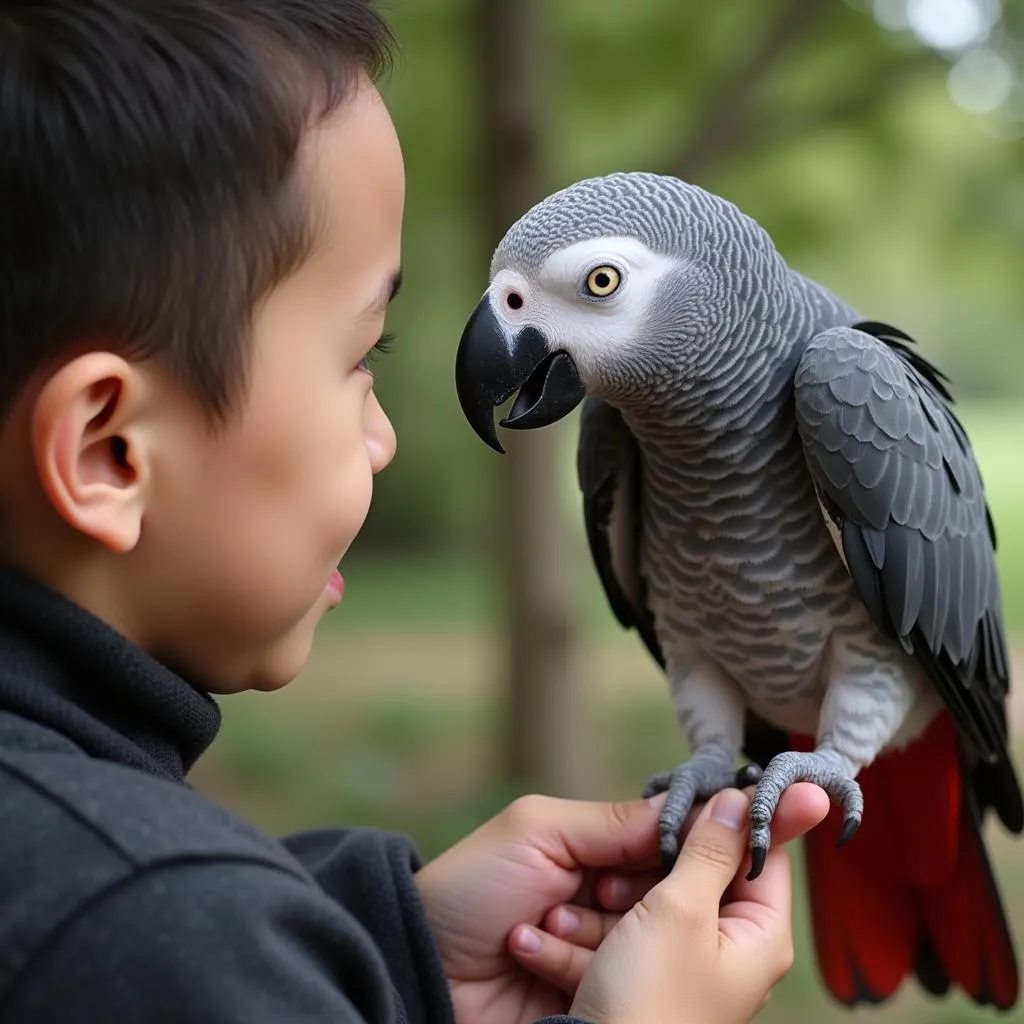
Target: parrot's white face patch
x=564, y=300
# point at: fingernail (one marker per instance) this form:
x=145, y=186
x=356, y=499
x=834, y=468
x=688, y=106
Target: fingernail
x=568, y=921
x=657, y=800
x=618, y=891
x=730, y=808
x=528, y=941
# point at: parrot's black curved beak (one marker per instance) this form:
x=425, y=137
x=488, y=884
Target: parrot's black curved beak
x=490, y=365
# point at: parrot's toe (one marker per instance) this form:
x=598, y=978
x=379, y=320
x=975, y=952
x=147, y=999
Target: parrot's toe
x=658, y=784
x=824, y=769
x=697, y=779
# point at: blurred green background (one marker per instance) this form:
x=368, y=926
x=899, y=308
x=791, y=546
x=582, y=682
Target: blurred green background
x=880, y=143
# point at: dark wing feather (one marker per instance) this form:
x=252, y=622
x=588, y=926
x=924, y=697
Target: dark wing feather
x=895, y=473
x=609, y=472
x=609, y=469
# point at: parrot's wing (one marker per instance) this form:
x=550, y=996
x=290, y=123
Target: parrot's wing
x=608, y=469
x=902, y=495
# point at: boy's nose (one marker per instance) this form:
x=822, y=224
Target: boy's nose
x=381, y=440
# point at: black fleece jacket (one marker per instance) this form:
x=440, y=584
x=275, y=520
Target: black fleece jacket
x=126, y=896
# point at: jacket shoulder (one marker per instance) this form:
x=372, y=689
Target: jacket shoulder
x=75, y=827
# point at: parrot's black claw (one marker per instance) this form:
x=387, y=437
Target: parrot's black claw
x=669, y=855
x=824, y=769
x=850, y=825
x=748, y=775
x=758, y=855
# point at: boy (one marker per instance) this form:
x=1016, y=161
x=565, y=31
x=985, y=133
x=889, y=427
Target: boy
x=200, y=216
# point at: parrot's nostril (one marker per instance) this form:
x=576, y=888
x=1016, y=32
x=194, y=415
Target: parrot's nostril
x=514, y=300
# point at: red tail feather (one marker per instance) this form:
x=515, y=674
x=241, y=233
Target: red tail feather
x=913, y=890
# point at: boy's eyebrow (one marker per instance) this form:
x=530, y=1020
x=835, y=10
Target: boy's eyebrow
x=387, y=293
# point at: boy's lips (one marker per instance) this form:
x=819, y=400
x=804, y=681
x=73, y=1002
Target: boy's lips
x=336, y=586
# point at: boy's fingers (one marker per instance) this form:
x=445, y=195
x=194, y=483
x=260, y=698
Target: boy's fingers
x=802, y=807
x=714, y=849
x=579, y=925
x=554, y=960
x=761, y=910
x=624, y=835
x=620, y=892
x=771, y=890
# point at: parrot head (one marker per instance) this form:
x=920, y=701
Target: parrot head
x=621, y=286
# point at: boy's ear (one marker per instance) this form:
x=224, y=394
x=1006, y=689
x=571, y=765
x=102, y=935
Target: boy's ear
x=90, y=447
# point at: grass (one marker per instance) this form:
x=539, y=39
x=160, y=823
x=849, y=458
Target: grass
x=395, y=720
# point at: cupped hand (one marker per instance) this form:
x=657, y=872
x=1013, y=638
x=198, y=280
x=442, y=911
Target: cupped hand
x=560, y=949
x=502, y=901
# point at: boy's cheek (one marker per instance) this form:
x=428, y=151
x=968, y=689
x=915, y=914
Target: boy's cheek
x=352, y=496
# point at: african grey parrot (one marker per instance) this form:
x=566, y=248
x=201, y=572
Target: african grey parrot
x=780, y=501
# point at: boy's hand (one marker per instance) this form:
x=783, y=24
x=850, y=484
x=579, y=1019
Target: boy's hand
x=704, y=944
x=525, y=870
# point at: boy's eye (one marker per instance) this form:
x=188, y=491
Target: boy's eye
x=382, y=345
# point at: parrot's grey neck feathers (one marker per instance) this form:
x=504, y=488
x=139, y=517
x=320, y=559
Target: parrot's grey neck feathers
x=732, y=458
x=738, y=387
x=737, y=469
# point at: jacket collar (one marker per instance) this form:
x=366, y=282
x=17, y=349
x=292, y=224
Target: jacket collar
x=66, y=670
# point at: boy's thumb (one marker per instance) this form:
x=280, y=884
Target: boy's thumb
x=601, y=834
x=713, y=851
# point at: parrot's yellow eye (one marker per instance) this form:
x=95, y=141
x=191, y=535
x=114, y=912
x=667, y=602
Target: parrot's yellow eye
x=602, y=281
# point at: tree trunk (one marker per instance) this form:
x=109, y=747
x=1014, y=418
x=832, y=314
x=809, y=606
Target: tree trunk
x=547, y=746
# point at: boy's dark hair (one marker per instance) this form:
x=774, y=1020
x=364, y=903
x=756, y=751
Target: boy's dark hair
x=147, y=151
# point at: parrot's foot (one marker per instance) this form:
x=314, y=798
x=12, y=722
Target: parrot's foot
x=697, y=779
x=825, y=769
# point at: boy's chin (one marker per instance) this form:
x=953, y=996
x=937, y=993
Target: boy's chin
x=286, y=661
x=273, y=666
x=278, y=665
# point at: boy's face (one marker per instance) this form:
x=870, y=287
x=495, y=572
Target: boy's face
x=243, y=528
